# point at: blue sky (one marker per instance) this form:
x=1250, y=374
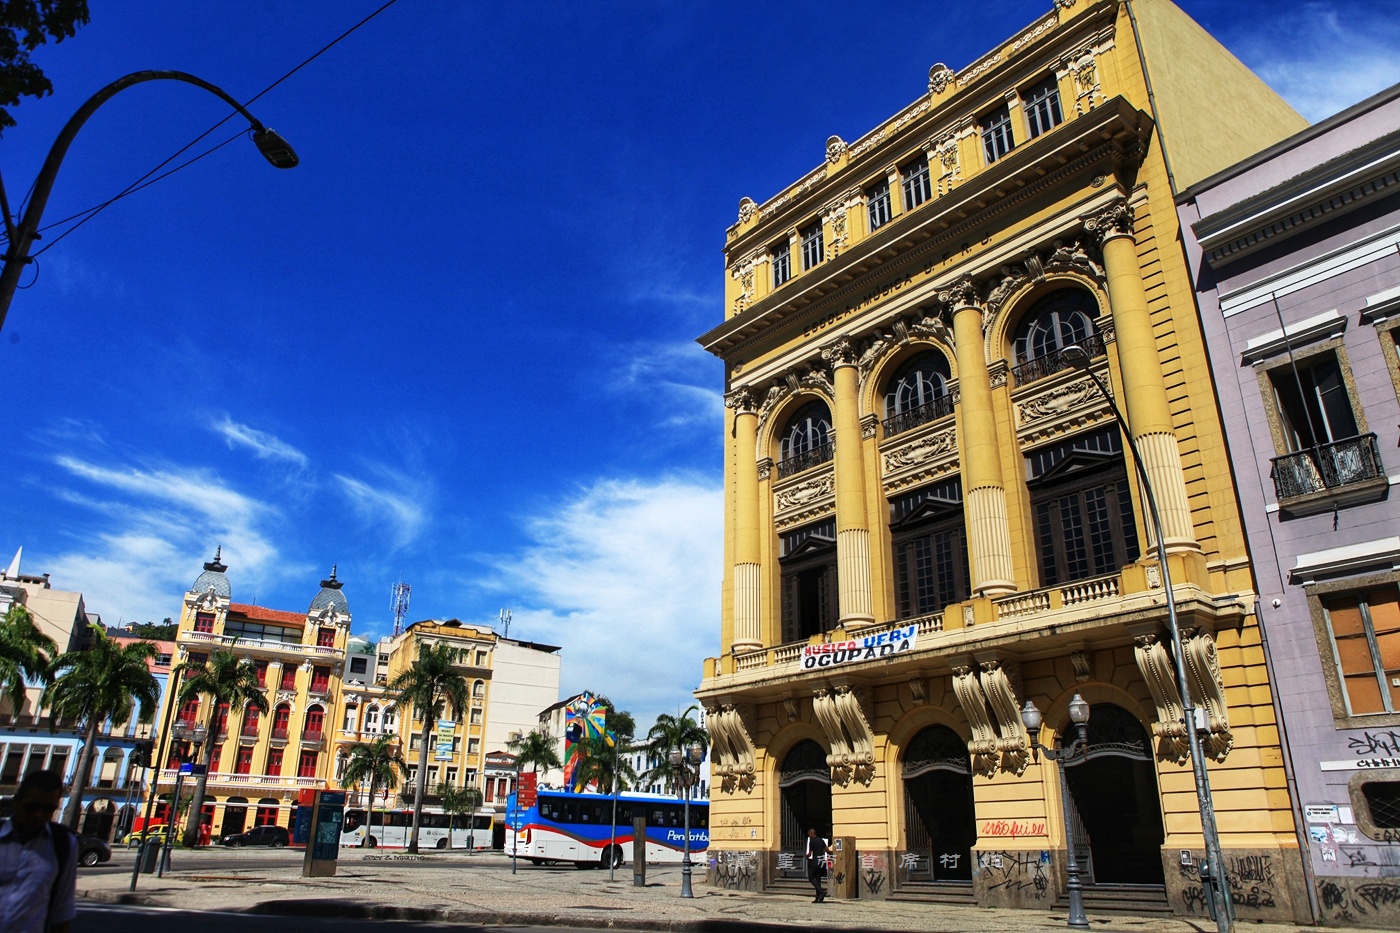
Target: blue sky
x=456, y=345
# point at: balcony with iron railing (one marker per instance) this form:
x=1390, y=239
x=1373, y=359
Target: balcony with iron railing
x=805, y=461
x=232, y=779
x=280, y=735
x=1342, y=471
x=907, y=420
x=1054, y=361
x=312, y=737
x=249, y=731
x=266, y=646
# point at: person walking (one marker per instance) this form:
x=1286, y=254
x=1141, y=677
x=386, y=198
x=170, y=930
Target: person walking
x=38, y=860
x=817, y=849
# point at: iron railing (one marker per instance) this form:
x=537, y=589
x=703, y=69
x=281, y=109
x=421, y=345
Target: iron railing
x=1054, y=361
x=1327, y=466
x=930, y=411
x=799, y=462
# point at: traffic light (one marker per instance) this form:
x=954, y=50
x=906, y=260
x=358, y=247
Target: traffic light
x=142, y=752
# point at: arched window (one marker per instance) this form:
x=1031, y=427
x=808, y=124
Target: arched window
x=350, y=713
x=250, y=721
x=917, y=393
x=315, y=722
x=806, y=441
x=281, y=721
x=479, y=689
x=1060, y=319
x=391, y=719
x=372, y=719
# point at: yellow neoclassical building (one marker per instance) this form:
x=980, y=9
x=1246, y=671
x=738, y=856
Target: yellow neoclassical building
x=913, y=460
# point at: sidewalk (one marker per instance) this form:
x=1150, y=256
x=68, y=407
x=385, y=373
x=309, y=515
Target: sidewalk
x=480, y=889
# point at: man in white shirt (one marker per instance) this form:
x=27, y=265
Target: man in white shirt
x=38, y=861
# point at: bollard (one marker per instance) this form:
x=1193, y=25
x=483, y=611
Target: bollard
x=639, y=851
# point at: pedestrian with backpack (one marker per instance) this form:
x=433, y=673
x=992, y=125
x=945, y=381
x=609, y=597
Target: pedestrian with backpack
x=38, y=860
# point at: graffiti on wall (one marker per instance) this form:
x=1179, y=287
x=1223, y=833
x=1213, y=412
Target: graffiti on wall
x=1010, y=829
x=1364, y=901
x=872, y=872
x=1022, y=873
x=738, y=870
x=1250, y=878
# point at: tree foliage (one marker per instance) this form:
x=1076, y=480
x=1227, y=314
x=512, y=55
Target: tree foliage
x=601, y=763
x=25, y=655
x=669, y=733
x=433, y=684
x=24, y=26
x=536, y=750
x=458, y=801
x=376, y=763
x=100, y=684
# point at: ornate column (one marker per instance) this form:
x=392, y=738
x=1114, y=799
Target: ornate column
x=852, y=530
x=746, y=570
x=1149, y=416
x=984, y=495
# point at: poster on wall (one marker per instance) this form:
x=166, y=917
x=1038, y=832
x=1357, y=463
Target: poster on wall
x=870, y=648
x=442, y=749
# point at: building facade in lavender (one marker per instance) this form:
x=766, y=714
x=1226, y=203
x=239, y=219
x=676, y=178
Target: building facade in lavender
x=916, y=467
x=1296, y=254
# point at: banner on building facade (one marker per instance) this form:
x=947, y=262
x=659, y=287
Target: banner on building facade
x=442, y=750
x=871, y=647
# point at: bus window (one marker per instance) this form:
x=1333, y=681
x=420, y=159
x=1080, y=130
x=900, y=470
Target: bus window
x=354, y=819
x=700, y=817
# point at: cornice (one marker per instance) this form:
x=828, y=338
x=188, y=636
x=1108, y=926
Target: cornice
x=1075, y=147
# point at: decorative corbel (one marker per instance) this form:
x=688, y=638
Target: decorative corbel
x=731, y=748
x=1156, y=667
x=1208, y=688
x=850, y=707
x=824, y=705
x=1114, y=220
x=1011, y=742
x=790, y=708
x=982, y=747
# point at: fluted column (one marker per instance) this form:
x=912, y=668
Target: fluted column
x=852, y=529
x=747, y=614
x=1149, y=416
x=984, y=494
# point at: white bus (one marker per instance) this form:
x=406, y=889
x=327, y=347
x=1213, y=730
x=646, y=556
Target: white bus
x=390, y=829
x=579, y=828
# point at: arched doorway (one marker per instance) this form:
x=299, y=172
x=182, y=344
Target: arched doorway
x=1116, y=809
x=940, y=824
x=235, y=815
x=97, y=821
x=804, y=788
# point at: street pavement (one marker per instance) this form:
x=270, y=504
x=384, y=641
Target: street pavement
x=480, y=889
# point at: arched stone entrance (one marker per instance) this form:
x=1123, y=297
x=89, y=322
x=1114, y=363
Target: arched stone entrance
x=235, y=815
x=1115, y=805
x=940, y=823
x=804, y=788
x=98, y=818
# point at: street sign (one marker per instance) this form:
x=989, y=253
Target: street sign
x=187, y=767
x=527, y=790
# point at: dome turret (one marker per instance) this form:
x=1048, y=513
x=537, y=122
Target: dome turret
x=213, y=577
x=330, y=596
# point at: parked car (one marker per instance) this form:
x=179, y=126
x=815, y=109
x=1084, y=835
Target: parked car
x=275, y=836
x=155, y=832
x=93, y=851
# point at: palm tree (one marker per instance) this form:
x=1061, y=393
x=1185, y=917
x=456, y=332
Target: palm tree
x=670, y=733
x=99, y=685
x=459, y=801
x=378, y=764
x=536, y=750
x=430, y=686
x=228, y=681
x=601, y=761
x=25, y=655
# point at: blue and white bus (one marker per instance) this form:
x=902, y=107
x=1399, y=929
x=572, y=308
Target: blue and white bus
x=578, y=828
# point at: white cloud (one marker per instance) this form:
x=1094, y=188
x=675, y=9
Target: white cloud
x=152, y=529
x=263, y=445
x=674, y=377
x=400, y=510
x=626, y=577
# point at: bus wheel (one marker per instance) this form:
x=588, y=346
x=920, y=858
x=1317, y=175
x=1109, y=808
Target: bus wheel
x=584, y=866
x=611, y=854
x=536, y=861
x=442, y=843
x=373, y=842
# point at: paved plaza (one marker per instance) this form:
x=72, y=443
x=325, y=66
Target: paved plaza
x=480, y=889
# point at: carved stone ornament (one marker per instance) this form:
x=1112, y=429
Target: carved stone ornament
x=741, y=400
x=869, y=426
x=982, y=747
x=743, y=273
x=948, y=163
x=806, y=492
x=835, y=149
x=1058, y=401
x=1082, y=668
x=731, y=747
x=1208, y=689
x=1064, y=4
x=747, y=210
x=925, y=448
x=840, y=712
x=961, y=293
x=1011, y=742
x=919, y=691
x=931, y=324
x=208, y=600
x=287, y=696
x=790, y=708
x=841, y=352
x=939, y=77
x=817, y=378
x=835, y=218
x=998, y=371
x=1074, y=257
x=1114, y=220
x=1156, y=667
x=765, y=468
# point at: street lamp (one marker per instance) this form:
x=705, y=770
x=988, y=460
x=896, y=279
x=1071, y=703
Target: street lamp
x=195, y=735
x=272, y=146
x=1079, y=715
x=618, y=742
x=686, y=765
x=1078, y=358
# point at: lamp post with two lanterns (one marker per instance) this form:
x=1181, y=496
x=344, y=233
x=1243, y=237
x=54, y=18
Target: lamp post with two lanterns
x=685, y=766
x=195, y=734
x=1079, y=715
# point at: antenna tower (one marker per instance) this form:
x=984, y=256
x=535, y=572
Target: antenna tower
x=399, y=605
x=505, y=623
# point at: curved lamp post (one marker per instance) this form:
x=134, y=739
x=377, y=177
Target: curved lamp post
x=688, y=775
x=1079, y=715
x=22, y=234
x=1221, y=908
